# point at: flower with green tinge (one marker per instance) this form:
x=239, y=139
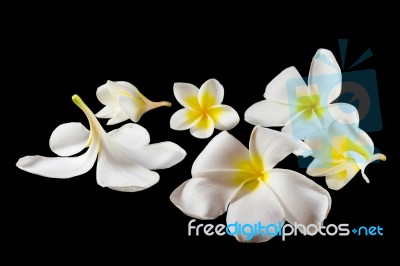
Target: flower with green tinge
x=202, y=110
x=124, y=101
x=303, y=109
x=124, y=155
x=340, y=151
x=227, y=177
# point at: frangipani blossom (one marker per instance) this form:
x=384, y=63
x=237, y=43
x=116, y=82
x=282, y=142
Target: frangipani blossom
x=124, y=155
x=123, y=101
x=226, y=176
x=340, y=151
x=202, y=110
x=303, y=109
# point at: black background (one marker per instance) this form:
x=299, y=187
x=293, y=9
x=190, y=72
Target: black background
x=54, y=60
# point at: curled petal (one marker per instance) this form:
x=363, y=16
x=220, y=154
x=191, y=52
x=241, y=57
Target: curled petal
x=124, y=101
x=126, y=87
x=362, y=162
x=268, y=147
x=105, y=94
x=107, y=112
x=133, y=107
x=118, y=117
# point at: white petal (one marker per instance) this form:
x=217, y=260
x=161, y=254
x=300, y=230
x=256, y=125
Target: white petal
x=107, y=112
x=211, y=93
x=303, y=201
x=282, y=88
x=325, y=77
x=69, y=139
x=130, y=135
x=363, y=161
x=223, y=152
x=336, y=143
x=107, y=95
x=253, y=205
x=204, y=198
x=156, y=156
x=61, y=167
x=346, y=113
x=300, y=127
x=272, y=146
x=267, y=113
x=324, y=148
x=127, y=87
x=204, y=128
x=115, y=169
x=187, y=95
x=340, y=179
x=224, y=117
x=184, y=119
x=128, y=189
x=119, y=117
x=322, y=168
x=352, y=132
x=133, y=107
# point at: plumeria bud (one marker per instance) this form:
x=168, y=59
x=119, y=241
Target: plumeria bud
x=124, y=101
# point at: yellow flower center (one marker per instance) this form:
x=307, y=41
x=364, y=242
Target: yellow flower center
x=309, y=105
x=252, y=173
x=204, y=111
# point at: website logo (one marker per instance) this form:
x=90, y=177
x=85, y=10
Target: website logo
x=279, y=229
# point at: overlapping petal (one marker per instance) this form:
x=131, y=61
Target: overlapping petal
x=123, y=101
x=124, y=155
x=60, y=167
x=228, y=177
x=268, y=147
x=340, y=151
x=303, y=201
x=268, y=113
x=303, y=109
x=202, y=110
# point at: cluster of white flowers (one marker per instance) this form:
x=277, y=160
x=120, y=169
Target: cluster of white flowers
x=226, y=176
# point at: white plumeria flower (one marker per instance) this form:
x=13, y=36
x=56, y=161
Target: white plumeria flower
x=124, y=155
x=123, y=101
x=202, y=109
x=226, y=174
x=303, y=109
x=340, y=151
